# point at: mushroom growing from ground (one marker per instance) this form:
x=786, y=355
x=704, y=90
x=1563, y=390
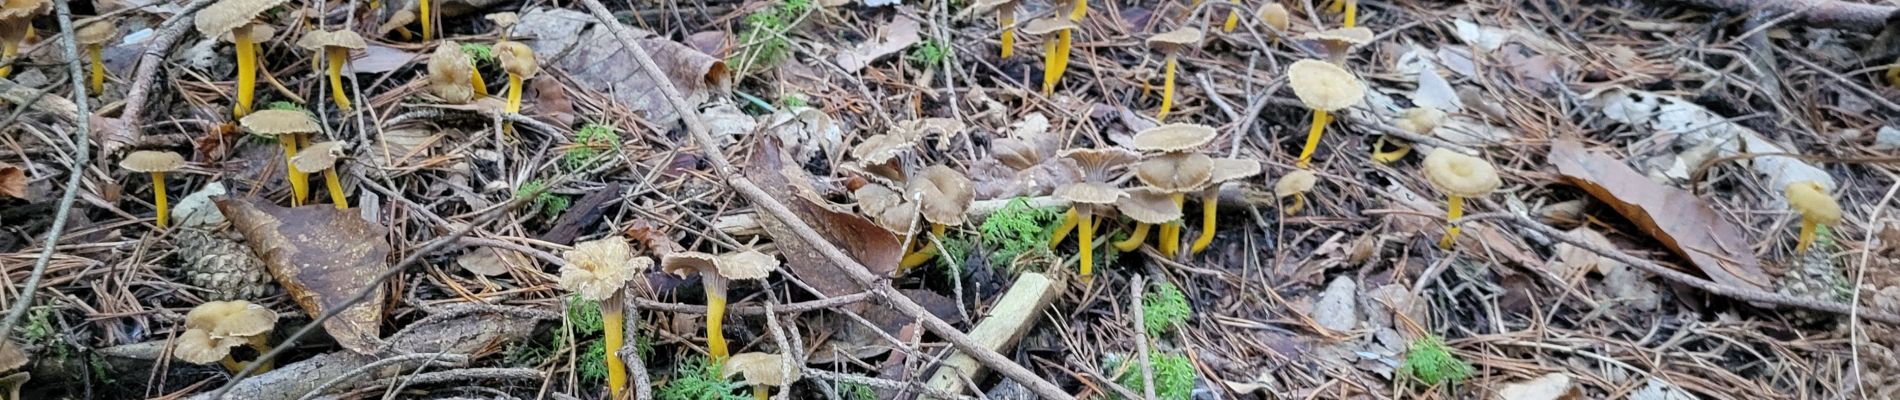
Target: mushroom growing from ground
x=1225, y=169
x=156, y=163
x=12, y=358
x=1348, y=7
x=598, y=270
x=1055, y=49
x=336, y=46
x=1416, y=120
x=1323, y=87
x=1005, y=19
x=1147, y=206
x=323, y=157
x=1091, y=196
x=761, y=371
x=714, y=272
x=1177, y=171
x=1172, y=43
x=288, y=126
x=234, y=17
x=16, y=23
x=942, y=194
x=213, y=328
x=1295, y=185
x=450, y=73
x=1338, y=43
x=519, y=61
x=1459, y=176
x=1817, y=209
x=93, y=33
x=1274, y=16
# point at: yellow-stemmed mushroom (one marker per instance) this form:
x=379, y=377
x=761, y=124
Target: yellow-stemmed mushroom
x=1295, y=185
x=1005, y=19
x=1348, y=7
x=1416, y=120
x=714, y=272
x=943, y=195
x=1323, y=87
x=761, y=371
x=504, y=23
x=213, y=328
x=1055, y=49
x=1093, y=195
x=234, y=17
x=1147, y=206
x=518, y=60
x=1177, y=171
x=323, y=157
x=1336, y=44
x=598, y=270
x=1817, y=209
x=156, y=163
x=450, y=73
x=93, y=33
x=288, y=126
x=1459, y=176
x=1172, y=43
x=16, y=23
x=336, y=46
x=1275, y=17
x=1225, y=169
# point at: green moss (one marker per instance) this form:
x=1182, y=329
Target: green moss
x=1164, y=307
x=284, y=105
x=955, y=250
x=1429, y=361
x=480, y=52
x=584, y=315
x=592, y=364
x=695, y=379
x=545, y=202
x=1173, y=374
x=1016, y=229
x=928, y=53
x=589, y=143
x=792, y=100
x=857, y=391
x=764, y=37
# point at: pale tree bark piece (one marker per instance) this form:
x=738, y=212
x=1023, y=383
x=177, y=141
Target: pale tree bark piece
x=322, y=256
x=574, y=44
x=1011, y=318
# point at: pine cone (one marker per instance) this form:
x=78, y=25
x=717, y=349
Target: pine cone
x=225, y=268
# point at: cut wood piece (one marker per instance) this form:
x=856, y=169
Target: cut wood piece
x=1009, y=320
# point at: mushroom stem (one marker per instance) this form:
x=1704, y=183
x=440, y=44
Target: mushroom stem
x=1134, y=238
x=1081, y=10
x=1171, y=233
x=1299, y=203
x=231, y=364
x=422, y=8
x=247, y=70
x=298, y=182
x=1167, y=88
x=475, y=81
x=614, y=320
x=1069, y=221
x=1808, y=228
x=514, y=94
x=261, y=344
x=1893, y=74
x=1352, y=13
x=1379, y=155
x=715, y=316
x=1233, y=18
x=1085, y=244
x=1312, y=137
x=8, y=51
x=1056, y=61
x=335, y=56
x=759, y=392
x=1451, y=233
x=1210, y=206
x=336, y=189
x=1006, y=16
x=159, y=200
x=98, y=68
x=405, y=33
x=924, y=253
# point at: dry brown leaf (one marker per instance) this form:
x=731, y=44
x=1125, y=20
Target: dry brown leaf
x=323, y=256
x=877, y=249
x=898, y=35
x=594, y=59
x=489, y=261
x=12, y=181
x=1675, y=217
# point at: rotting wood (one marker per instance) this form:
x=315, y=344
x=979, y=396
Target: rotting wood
x=1010, y=319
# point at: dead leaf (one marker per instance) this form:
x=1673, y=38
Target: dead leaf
x=897, y=36
x=12, y=181
x=1552, y=386
x=551, y=102
x=1675, y=217
x=489, y=261
x=323, y=256
x=877, y=249
x=594, y=58
x=377, y=59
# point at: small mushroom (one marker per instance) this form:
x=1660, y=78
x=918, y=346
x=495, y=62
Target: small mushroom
x=1005, y=19
x=234, y=17
x=943, y=195
x=1416, y=120
x=1295, y=185
x=1459, y=176
x=156, y=163
x=1338, y=43
x=1324, y=88
x=1055, y=49
x=16, y=23
x=450, y=73
x=1172, y=44
x=1173, y=137
x=289, y=127
x=886, y=207
x=11, y=357
x=1225, y=169
x=1090, y=196
x=1176, y=174
x=761, y=371
x=213, y=328
x=518, y=60
x=398, y=22
x=1275, y=17
x=504, y=22
x=597, y=270
x=1817, y=208
x=714, y=272
x=336, y=46
x=879, y=157
x=322, y=157
x=12, y=383
x=1348, y=7
x=1147, y=206
x=93, y=33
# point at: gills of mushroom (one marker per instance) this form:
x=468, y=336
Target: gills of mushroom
x=1225, y=169
x=1323, y=87
x=1459, y=176
x=597, y=270
x=1817, y=209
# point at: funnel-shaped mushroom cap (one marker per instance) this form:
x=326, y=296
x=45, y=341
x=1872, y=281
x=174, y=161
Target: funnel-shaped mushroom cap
x=1026, y=149
x=318, y=157
x=236, y=318
x=258, y=33
x=943, y=194
x=924, y=127
x=93, y=30
x=450, y=71
x=596, y=269
x=1176, y=172
x=687, y=263
x=1812, y=200
x=23, y=9
x=882, y=148
x=761, y=369
x=1090, y=193
x=152, y=161
x=1274, y=15
x=396, y=20
x=886, y=207
x=1297, y=182
x=1227, y=169
x=1460, y=175
x=1173, y=137
x=11, y=356
x=1099, y=164
x=279, y=122
x=503, y=20
x=1176, y=40
x=1420, y=120
x=198, y=347
x=318, y=40
x=1149, y=206
x=1049, y=25
x=1324, y=86
x=517, y=58
x=226, y=15
x=749, y=264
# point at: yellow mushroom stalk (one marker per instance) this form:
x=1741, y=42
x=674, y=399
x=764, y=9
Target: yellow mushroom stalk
x=1085, y=244
x=156, y=163
x=1225, y=169
x=519, y=61
x=1817, y=209
x=323, y=157
x=1233, y=19
x=1092, y=196
x=925, y=250
x=1323, y=87
x=336, y=46
x=1055, y=49
x=286, y=126
x=598, y=270
x=1352, y=13
x=1171, y=233
x=247, y=71
x=1007, y=18
x=1069, y=221
x=1172, y=43
x=428, y=20
x=1134, y=238
x=1459, y=176
x=714, y=273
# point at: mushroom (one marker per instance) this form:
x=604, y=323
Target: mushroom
x=1092, y=195
x=1147, y=206
x=428, y=19
x=1295, y=185
x=1336, y=44
x=1416, y=120
x=1172, y=43
x=234, y=17
x=1174, y=173
x=477, y=53
x=942, y=194
x=1324, y=88
x=16, y=23
x=1055, y=49
x=885, y=207
x=879, y=157
x=504, y=22
x=519, y=61
x=398, y=22
x=598, y=270
x=1816, y=206
x=94, y=33
x=13, y=382
x=322, y=157
x=1225, y=169
x=1274, y=16
x=1005, y=19
x=157, y=163
x=1459, y=176
x=213, y=328
x=336, y=46
x=714, y=271
x=450, y=73
x=288, y=126
x=761, y=371
x=12, y=358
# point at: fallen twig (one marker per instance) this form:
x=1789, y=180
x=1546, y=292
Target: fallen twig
x=1135, y=288
x=1827, y=13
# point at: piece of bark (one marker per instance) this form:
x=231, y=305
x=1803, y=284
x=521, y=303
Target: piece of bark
x=1010, y=319
x=584, y=214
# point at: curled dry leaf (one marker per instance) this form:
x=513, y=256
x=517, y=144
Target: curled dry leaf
x=12, y=181
x=873, y=246
x=593, y=58
x=323, y=256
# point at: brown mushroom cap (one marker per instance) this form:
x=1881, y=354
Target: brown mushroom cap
x=943, y=194
x=1299, y=181
x=1177, y=40
x=517, y=58
x=1812, y=200
x=1173, y=137
x=1176, y=172
x=450, y=71
x=687, y=263
x=23, y=9
x=1099, y=164
x=1324, y=86
x=396, y=20
x=1025, y=150
x=11, y=356
x=988, y=5
x=231, y=319
x=152, y=161
x=1227, y=169
x=596, y=269
x=1090, y=193
x=1460, y=175
x=749, y=264
x=319, y=156
x=766, y=369
x=279, y=122
x=227, y=15
x=320, y=40
x=886, y=207
x=503, y=20
x=259, y=32
x=1274, y=15
x=197, y=346
x=1149, y=206
x=881, y=148
x=95, y=30
x=1051, y=24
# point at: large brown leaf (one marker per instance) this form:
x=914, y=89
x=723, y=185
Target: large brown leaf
x=873, y=246
x=570, y=41
x=323, y=256
x=1675, y=217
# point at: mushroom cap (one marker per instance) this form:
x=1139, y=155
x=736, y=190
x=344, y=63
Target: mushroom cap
x=596, y=269
x=1098, y=164
x=517, y=58
x=1176, y=172
x=396, y=20
x=23, y=9
x=1324, y=86
x=152, y=161
x=1460, y=175
x=1353, y=36
x=226, y=15
x=1149, y=206
x=318, y=40
x=11, y=357
x=1300, y=181
x=1227, y=169
x=686, y=263
x=319, y=156
x=279, y=122
x=881, y=148
x=749, y=264
x=1090, y=193
x=259, y=33
x=942, y=193
x=231, y=319
x=199, y=347
x=1026, y=149
x=1180, y=39
x=1173, y=137
x=94, y=30
x=1274, y=15
x=450, y=71
x=769, y=369
x=1812, y=200
x=504, y=19
x=885, y=207
x=1051, y=24
x=1420, y=120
